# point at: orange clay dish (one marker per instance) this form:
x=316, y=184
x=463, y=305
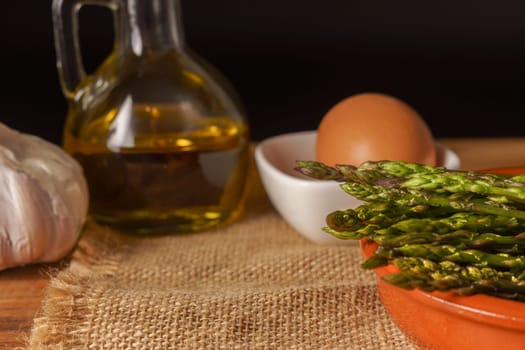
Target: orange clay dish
x=447, y=321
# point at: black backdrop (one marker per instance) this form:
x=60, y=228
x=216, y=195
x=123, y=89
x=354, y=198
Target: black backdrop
x=459, y=63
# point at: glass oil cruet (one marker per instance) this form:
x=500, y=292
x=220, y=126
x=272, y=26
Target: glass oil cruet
x=160, y=134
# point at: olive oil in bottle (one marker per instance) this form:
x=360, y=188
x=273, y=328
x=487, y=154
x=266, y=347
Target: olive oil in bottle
x=177, y=181
x=161, y=137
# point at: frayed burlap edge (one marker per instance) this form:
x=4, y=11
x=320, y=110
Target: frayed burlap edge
x=65, y=310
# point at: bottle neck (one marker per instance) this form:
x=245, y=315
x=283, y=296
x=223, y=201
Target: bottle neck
x=153, y=25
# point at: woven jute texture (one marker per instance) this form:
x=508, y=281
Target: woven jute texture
x=255, y=284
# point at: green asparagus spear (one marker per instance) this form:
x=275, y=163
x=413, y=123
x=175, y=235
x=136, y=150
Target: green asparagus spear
x=397, y=174
x=461, y=221
x=455, y=201
x=456, y=254
x=429, y=275
x=470, y=239
x=408, y=219
x=401, y=169
x=320, y=171
x=390, y=238
x=379, y=214
x=382, y=169
x=466, y=182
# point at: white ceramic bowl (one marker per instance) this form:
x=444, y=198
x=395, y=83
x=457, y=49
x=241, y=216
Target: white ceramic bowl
x=304, y=202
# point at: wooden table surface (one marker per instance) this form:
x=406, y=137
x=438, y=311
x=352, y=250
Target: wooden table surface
x=22, y=289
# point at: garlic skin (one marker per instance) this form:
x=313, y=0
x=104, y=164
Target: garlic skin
x=43, y=200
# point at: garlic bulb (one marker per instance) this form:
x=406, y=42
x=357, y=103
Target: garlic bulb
x=43, y=200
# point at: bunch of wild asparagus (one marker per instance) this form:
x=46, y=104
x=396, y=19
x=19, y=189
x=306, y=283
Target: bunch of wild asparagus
x=443, y=229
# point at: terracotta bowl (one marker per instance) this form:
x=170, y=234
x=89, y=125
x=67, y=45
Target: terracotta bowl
x=446, y=321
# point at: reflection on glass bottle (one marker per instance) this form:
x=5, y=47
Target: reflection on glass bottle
x=162, y=138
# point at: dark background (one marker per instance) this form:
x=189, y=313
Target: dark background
x=459, y=63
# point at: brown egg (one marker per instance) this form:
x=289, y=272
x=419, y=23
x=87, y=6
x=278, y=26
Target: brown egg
x=373, y=126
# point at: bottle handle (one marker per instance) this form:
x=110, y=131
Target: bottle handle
x=65, y=29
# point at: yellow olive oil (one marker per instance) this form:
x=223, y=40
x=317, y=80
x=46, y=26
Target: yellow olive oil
x=161, y=169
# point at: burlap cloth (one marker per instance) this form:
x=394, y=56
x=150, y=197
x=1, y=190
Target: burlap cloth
x=256, y=284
